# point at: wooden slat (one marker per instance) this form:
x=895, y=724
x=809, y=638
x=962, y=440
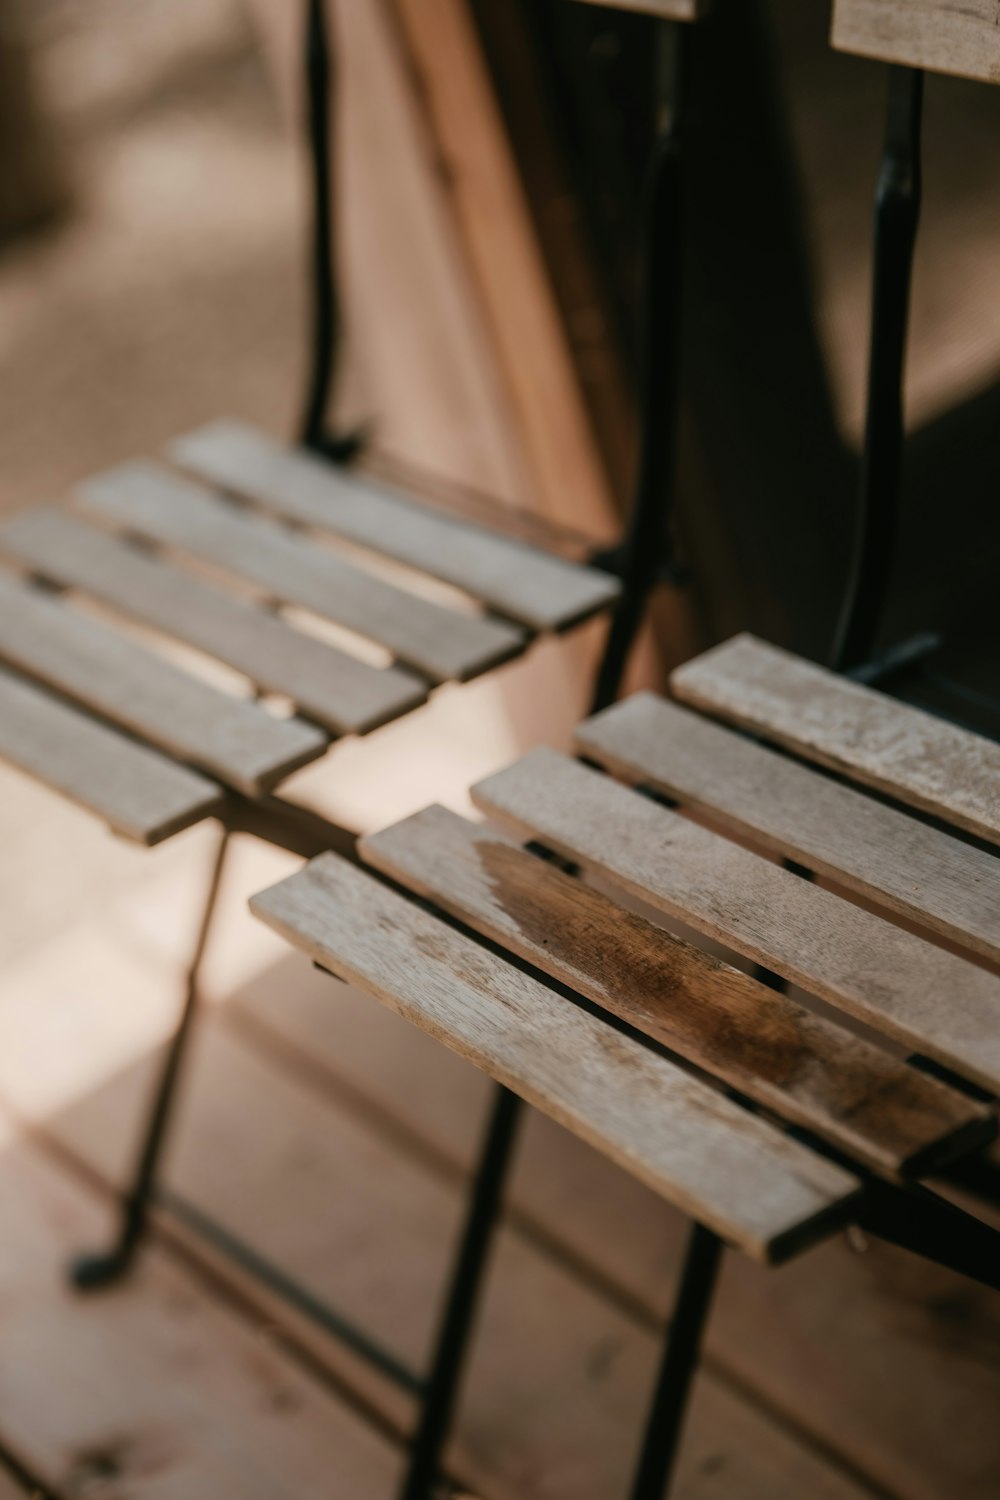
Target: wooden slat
x=756, y=1187
x=909, y=754
x=123, y=681
x=805, y=1069
x=441, y=643
x=919, y=872
x=138, y=793
x=937, y=34
x=924, y=997
x=337, y=690
x=541, y=592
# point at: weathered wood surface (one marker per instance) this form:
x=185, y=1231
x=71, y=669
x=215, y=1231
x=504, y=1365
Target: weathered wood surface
x=441, y=643
x=941, y=35
x=536, y=590
x=112, y=674
x=918, y=994
x=757, y=1188
x=911, y=755
x=137, y=792
x=897, y=862
x=805, y=1069
x=340, y=692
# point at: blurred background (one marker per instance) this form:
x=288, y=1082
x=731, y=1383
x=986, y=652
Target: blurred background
x=153, y=254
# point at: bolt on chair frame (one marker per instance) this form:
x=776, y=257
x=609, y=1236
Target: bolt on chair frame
x=642, y=561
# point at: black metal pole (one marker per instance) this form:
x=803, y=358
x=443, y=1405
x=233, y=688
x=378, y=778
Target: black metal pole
x=680, y=1362
x=456, y=1324
x=325, y=309
x=91, y=1272
x=646, y=547
x=897, y=213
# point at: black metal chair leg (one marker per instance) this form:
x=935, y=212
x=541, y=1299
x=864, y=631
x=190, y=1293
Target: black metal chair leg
x=470, y=1266
x=92, y=1272
x=680, y=1361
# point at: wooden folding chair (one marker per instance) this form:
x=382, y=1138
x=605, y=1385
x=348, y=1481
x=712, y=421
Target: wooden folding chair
x=769, y=1121
x=912, y=37
x=927, y=31
x=91, y=709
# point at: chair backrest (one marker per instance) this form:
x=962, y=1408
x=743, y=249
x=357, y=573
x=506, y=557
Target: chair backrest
x=937, y=35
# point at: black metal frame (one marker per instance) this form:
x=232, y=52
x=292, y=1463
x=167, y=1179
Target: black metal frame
x=897, y=214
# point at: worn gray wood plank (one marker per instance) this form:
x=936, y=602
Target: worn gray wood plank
x=789, y=809
x=913, y=756
x=756, y=1187
x=338, y=691
x=137, y=792
x=441, y=643
x=930, y=1000
x=121, y=680
x=811, y=1072
x=941, y=35
x=539, y=591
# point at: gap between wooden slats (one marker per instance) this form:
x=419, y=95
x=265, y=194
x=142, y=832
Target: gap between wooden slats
x=804, y=1068
x=110, y=673
x=930, y=1000
x=533, y=588
x=943, y=885
x=911, y=755
x=336, y=690
x=755, y=1186
x=441, y=643
x=137, y=792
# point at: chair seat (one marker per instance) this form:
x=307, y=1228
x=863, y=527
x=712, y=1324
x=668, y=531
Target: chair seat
x=568, y=985
x=321, y=589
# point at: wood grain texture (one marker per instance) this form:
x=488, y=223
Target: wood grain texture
x=897, y=862
x=111, y=674
x=536, y=590
x=757, y=1188
x=920, y=995
x=336, y=690
x=806, y=1070
x=139, y=794
x=911, y=755
x=441, y=643
x=945, y=36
